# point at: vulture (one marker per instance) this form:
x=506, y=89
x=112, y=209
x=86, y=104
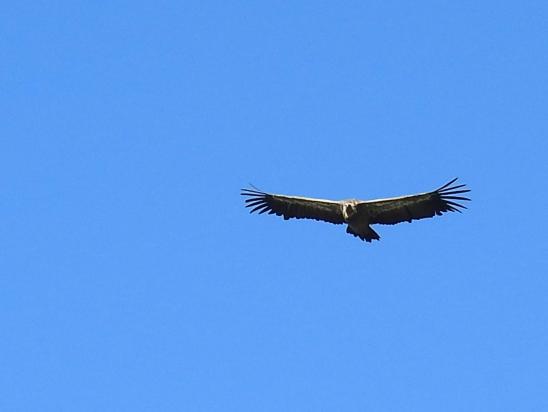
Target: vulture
x=360, y=214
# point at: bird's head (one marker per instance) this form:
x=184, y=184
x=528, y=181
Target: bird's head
x=349, y=210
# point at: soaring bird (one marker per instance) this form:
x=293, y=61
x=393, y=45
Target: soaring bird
x=360, y=214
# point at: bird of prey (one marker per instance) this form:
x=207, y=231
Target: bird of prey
x=360, y=214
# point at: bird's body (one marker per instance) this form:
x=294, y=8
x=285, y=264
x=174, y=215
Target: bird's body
x=360, y=214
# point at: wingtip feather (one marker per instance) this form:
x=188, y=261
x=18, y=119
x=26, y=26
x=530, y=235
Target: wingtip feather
x=447, y=184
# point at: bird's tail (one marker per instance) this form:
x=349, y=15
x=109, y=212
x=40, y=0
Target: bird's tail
x=367, y=234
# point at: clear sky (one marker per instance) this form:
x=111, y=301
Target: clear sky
x=133, y=279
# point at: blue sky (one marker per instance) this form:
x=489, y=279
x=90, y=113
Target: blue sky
x=132, y=278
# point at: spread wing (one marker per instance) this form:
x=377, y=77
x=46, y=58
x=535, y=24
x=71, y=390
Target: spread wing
x=293, y=206
x=419, y=206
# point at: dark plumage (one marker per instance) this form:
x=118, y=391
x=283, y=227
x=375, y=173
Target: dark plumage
x=359, y=214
